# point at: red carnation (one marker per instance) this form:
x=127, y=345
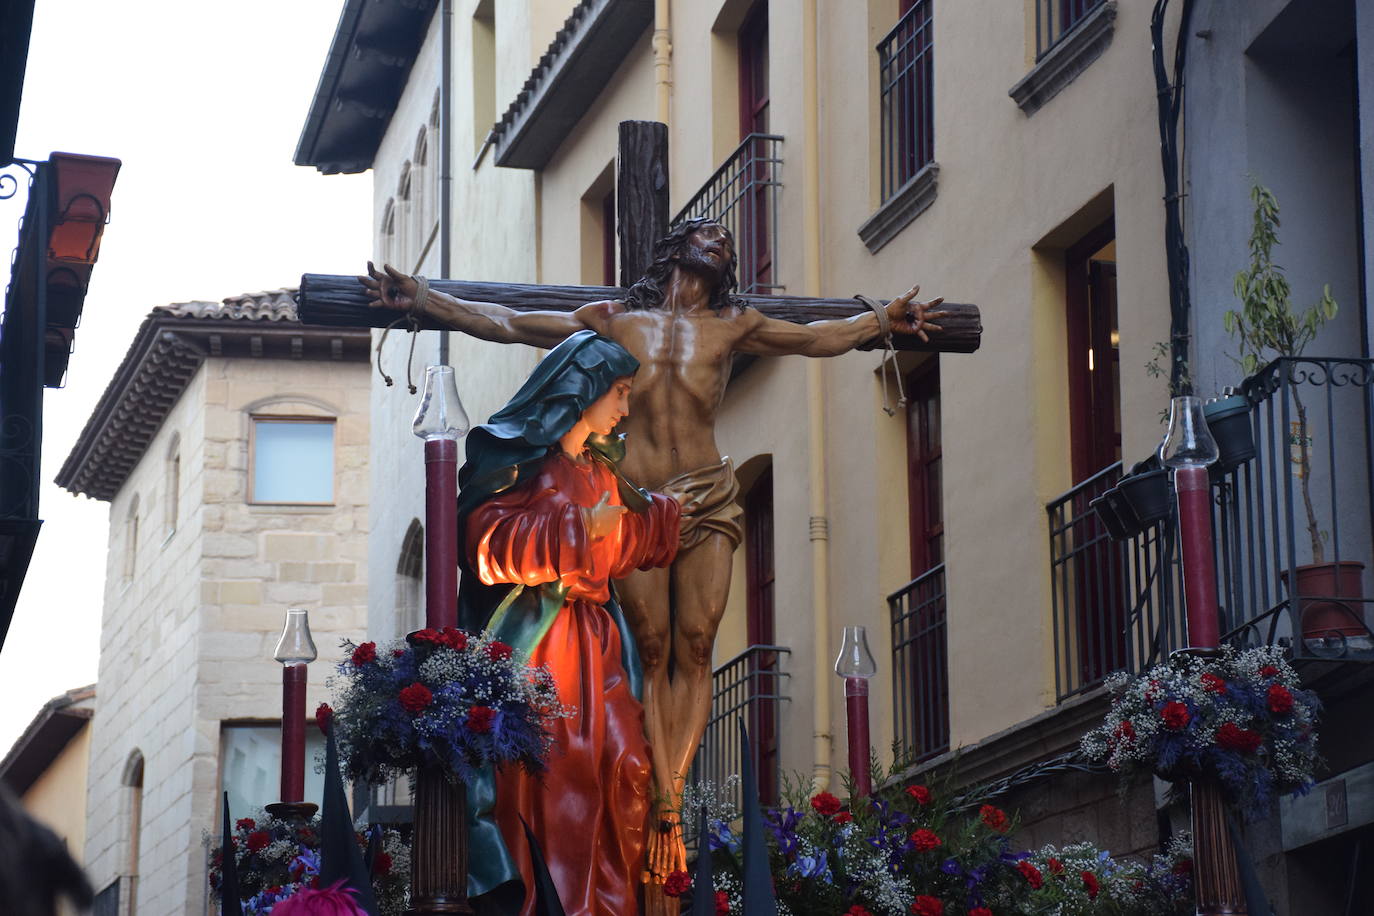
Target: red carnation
x=825, y=804
x=382, y=864
x=844, y=817
x=920, y=793
x=1175, y=715
x=324, y=717
x=723, y=903
x=397, y=653
x=677, y=884
x=258, y=839
x=857, y=910
x=245, y=823
x=1269, y=671
x=498, y=650
x=1213, y=683
x=925, y=905
x=416, y=698
x=1234, y=738
x=1125, y=731
x=980, y=911
x=480, y=719
x=366, y=652
x=1280, y=699
x=427, y=635
x=1055, y=866
x=1031, y=874
x=454, y=638
x=1090, y=882
x=994, y=817
x=924, y=840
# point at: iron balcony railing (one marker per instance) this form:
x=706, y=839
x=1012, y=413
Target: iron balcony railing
x=1114, y=602
x=920, y=665
x=1055, y=19
x=751, y=686
x=743, y=196
x=1294, y=523
x=907, y=98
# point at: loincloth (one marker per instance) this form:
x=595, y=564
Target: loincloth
x=708, y=499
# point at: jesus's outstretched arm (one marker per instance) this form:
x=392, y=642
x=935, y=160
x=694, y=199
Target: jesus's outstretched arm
x=389, y=288
x=772, y=337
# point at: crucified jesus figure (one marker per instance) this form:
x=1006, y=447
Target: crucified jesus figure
x=683, y=323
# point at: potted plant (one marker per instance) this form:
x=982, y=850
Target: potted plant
x=1267, y=327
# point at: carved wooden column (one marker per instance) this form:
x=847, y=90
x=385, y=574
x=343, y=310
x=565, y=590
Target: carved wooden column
x=1216, y=876
x=439, y=866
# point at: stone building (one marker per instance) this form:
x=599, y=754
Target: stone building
x=231, y=445
x=1004, y=157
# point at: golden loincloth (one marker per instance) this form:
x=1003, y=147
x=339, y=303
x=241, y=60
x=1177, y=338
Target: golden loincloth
x=707, y=496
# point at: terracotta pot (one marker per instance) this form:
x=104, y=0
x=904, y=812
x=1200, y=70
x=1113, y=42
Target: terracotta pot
x=1329, y=623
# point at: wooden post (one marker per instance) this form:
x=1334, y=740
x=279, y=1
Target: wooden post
x=641, y=194
x=1216, y=876
x=438, y=868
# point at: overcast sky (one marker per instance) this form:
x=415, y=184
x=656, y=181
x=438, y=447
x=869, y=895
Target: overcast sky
x=203, y=102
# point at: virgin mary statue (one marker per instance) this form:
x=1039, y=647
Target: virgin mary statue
x=546, y=523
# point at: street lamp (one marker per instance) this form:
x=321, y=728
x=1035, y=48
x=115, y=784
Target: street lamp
x=1189, y=448
x=856, y=665
x=441, y=421
x=295, y=650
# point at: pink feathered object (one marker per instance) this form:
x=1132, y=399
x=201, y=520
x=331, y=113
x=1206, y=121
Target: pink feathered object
x=335, y=900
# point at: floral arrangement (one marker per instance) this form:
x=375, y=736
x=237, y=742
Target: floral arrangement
x=276, y=858
x=439, y=696
x=921, y=851
x=1240, y=717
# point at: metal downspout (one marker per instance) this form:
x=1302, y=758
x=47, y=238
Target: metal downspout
x=815, y=390
x=445, y=153
x=663, y=57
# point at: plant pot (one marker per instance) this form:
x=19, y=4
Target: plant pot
x=1148, y=496
x=1328, y=623
x=1229, y=421
x=1107, y=509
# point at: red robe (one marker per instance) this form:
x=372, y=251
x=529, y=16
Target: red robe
x=590, y=810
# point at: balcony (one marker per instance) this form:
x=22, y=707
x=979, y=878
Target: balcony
x=742, y=195
x=1293, y=524
x=752, y=686
x=920, y=666
x=1115, y=603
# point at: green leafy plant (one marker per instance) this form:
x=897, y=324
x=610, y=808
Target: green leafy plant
x=1266, y=326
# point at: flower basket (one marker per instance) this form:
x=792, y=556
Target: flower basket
x=275, y=858
x=440, y=698
x=1238, y=717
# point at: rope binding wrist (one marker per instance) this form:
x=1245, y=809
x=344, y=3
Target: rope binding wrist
x=411, y=318
x=890, y=352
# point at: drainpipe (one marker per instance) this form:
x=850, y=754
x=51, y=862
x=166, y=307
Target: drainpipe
x=445, y=152
x=663, y=57
x=815, y=390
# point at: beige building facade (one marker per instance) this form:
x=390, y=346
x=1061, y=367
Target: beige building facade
x=1006, y=155
x=231, y=445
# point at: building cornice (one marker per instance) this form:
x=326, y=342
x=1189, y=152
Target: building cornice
x=60, y=720
x=169, y=347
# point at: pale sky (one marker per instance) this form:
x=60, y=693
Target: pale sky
x=203, y=102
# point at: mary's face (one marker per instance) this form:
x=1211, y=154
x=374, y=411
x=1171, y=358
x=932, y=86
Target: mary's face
x=609, y=409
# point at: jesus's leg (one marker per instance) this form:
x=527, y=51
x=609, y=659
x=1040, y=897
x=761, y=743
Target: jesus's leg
x=644, y=598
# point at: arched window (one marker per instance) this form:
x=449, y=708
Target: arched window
x=172, y=507
x=405, y=220
x=386, y=246
x=133, y=824
x=410, y=580
x=423, y=197
x=131, y=540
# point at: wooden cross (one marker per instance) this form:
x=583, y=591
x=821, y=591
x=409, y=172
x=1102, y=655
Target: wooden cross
x=642, y=219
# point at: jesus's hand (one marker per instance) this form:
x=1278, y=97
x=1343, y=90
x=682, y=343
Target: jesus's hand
x=389, y=288
x=910, y=316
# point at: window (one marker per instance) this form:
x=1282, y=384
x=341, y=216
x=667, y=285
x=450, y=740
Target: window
x=386, y=247
x=250, y=765
x=756, y=246
x=483, y=72
x=763, y=683
x=410, y=580
x=172, y=507
x=1055, y=19
x=1094, y=352
x=133, y=784
x=905, y=67
x=924, y=453
x=131, y=540
x=292, y=461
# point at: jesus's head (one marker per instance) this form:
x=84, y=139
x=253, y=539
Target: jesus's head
x=702, y=246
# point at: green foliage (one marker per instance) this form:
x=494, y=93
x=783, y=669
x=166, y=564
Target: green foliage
x=1265, y=325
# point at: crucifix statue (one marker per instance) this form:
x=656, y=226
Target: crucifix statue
x=682, y=319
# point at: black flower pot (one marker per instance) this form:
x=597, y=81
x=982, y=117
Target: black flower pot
x=1148, y=496
x=1107, y=509
x=1229, y=421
